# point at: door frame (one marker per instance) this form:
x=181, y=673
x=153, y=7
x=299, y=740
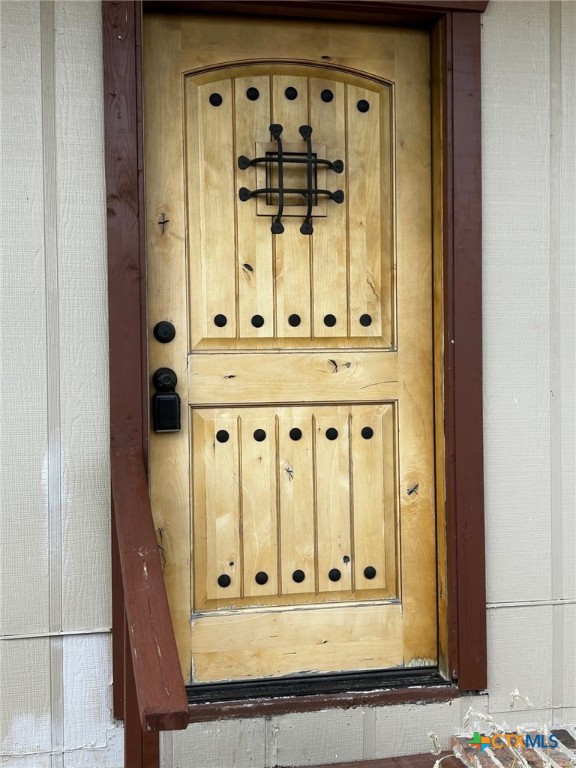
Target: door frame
x=455, y=29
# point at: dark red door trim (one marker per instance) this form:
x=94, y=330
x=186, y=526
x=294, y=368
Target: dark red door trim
x=463, y=293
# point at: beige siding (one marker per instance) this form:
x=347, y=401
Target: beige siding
x=54, y=478
x=54, y=501
x=529, y=154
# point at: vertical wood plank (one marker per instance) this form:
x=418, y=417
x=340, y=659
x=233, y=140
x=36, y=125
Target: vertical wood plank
x=439, y=174
x=166, y=264
x=254, y=240
x=373, y=482
x=296, y=499
x=332, y=470
x=365, y=208
x=292, y=248
x=329, y=242
x=216, y=481
x=141, y=748
x=259, y=512
x=467, y=361
x=212, y=190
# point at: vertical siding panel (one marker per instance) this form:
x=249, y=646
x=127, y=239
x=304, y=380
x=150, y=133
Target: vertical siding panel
x=223, y=744
x=25, y=724
x=566, y=222
x=568, y=348
x=82, y=316
x=516, y=233
x=24, y=605
x=520, y=652
x=87, y=675
x=563, y=324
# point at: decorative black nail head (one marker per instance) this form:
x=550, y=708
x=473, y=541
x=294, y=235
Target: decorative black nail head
x=224, y=580
x=363, y=105
x=222, y=436
x=367, y=433
x=331, y=433
x=261, y=577
x=327, y=95
x=220, y=321
x=295, y=433
x=253, y=93
x=370, y=572
x=294, y=321
x=259, y=435
x=334, y=574
x=257, y=321
x=298, y=576
x=365, y=320
x=329, y=321
x=291, y=93
x=215, y=99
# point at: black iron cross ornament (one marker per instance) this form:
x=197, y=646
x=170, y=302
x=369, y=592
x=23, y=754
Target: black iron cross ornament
x=280, y=159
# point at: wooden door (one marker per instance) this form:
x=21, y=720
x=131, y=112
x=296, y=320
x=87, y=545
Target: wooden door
x=288, y=192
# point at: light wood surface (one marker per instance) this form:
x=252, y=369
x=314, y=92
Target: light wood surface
x=324, y=501
x=243, y=645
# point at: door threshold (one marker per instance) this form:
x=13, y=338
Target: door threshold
x=317, y=685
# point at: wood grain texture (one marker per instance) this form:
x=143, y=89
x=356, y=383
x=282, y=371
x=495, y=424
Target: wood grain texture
x=390, y=137
x=164, y=702
x=240, y=645
x=422, y=13
x=161, y=698
x=466, y=362
x=314, y=703
x=297, y=377
x=165, y=256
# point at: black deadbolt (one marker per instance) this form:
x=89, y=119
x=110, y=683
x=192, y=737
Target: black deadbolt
x=164, y=332
x=164, y=380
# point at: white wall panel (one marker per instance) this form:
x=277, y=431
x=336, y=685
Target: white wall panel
x=83, y=335
x=563, y=131
x=25, y=722
x=225, y=744
x=516, y=233
x=316, y=737
x=91, y=739
x=568, y=659
x=24, y=562
x=312, y=738
x=404, y=729
x=54, y=518
x=520, y=652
